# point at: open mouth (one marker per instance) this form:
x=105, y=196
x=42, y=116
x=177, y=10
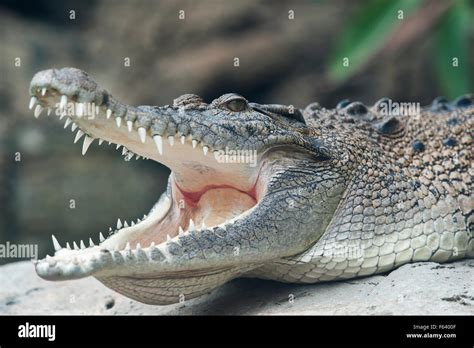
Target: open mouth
x=209, y=186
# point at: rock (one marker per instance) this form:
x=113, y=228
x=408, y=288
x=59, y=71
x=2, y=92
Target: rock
x=417, y=289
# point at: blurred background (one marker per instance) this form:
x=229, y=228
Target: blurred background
x=289, y=52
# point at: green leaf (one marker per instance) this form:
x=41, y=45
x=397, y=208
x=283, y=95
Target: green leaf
x=452, y=42
x=366, y=34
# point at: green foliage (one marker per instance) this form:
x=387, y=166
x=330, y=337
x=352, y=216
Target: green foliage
x=366, y=33
x=451, y=44
x=377, y=19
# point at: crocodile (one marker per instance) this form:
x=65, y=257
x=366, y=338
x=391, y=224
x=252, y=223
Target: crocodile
x=270, y=191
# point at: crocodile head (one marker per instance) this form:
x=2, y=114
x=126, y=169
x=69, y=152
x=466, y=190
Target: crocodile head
x=249, y=184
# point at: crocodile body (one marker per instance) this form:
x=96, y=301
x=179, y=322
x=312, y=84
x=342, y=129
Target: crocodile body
x=270, y=191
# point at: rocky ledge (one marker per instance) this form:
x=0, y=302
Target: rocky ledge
x=419, y=288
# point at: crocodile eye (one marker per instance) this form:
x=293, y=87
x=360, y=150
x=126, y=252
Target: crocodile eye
x=236, y=105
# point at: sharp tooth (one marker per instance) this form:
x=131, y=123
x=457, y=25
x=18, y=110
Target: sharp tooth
x=138, y=221
x=68, y=246
x=33, y=101
x=204, y=150
x=62, y=102
x=203, y=226
x=83, y=246
x=182, y=139
x=56, y=244
x=159, y=143
x=119, y=224
x=49, y=111
x=87, y=142
x=138, y=246
x=78, y=136
x=125, y=223
x=191, y=225
x=180, y=229
x=118, y=121
x=216, y=155
x=101, y=141
x=91, y=243
x=144, y=216
x=137, y=157
x=38, y=110
x=171, y=140
x=75, y=246
x=43, y=91
x=67, y=123
x=142, y=134
x=74, y=127
x=152, y=245
x=133, y=223
x=110, y=229
x=127, y=247
x=168, y=238
x=117, y=147
x=194, y=143
x=129, y=125
x=109, y=113
x=62, y=114
x=101, y=237
x=124, y=150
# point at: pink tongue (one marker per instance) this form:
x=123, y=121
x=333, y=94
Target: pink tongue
x=219, y=205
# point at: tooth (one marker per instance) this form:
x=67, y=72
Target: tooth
x=49, y=111
x=127, y=247
x=38, y=110
x=144, y=216
x=125, y=223
x=83, y=246
x=110, y=229
x=119, y=224
x=75, y=246
x=216, y=155
x=129, y=125
x=56, y=244
x=203, y=226
x=62, y=114
x=109, y=113
x=101, y=141
x=205, y=149
x=68, y=246
x=171, y=140
x=117, y=147
x=78, y=136
x=159, y=143
x=138, y=221
x=67, y=123
x=194, y=143
x=118, y=120
x=74, y=127
x=101, y=237
x=183, y=139
x=152, y=245
x=43, y=91
x=33, y=101
x=137, y=157
x=87, y=142
x=168, y=238
x=138, y=246
x=142, y=134
x=133, y=223
x=91, y=243
x=191, y=225
x=124, y=150
x=62, y=102
x=180, y=230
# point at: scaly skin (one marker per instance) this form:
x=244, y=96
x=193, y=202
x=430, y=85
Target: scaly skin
x=333, y=194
